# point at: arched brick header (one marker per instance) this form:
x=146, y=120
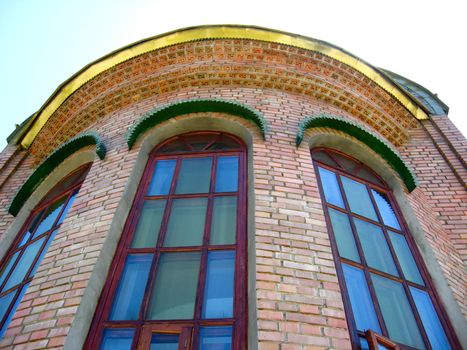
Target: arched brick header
x=376, y=143
x=51, y=162
x=167, y=112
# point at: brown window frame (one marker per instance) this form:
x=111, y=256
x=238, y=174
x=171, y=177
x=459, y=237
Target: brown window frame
x=183, y=327
x=373, y=337
x=55, y=194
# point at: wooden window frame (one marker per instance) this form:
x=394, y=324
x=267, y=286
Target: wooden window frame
x=41, y=209
x=240, y=307
x=373, y=337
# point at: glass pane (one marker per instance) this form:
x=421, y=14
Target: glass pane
x=405, y=257
x=129, y=295
x=44, y=251
x=164, y=342
x=195, y=175
x=13, y=310
x=397, y=313
x=224, y=220
x=227, y=174
x=149, y=223
x=364, y=344
x=430, y=320
x=358, y=198
x=385, y=209
x=375, y=247
x=332, y=193
x=8, y=266
x=368, y=175
x=324, y=158
x=360, y=299
x=117, y=339
x=5, y=303
x=215, y=338
x=162, y=178
x=68, y=206
x=219, y=289
x=186, y=222
x=50, y=215
x=343, y=233
x=31, y=228
x=24, y=263
x=345, y=162
x=174, y=292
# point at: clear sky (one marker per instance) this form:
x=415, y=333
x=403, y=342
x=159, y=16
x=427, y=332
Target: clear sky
x=43, y=42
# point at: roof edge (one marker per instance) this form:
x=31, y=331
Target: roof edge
x=209, y=32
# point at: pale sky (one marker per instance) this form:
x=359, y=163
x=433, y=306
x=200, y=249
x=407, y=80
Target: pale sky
x=44, y=42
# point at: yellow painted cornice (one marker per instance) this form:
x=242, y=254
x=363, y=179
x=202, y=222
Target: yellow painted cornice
x=93, y=69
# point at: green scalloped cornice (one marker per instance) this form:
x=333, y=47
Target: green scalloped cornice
x=167, y=112
x=51, y=162
x=376, y=143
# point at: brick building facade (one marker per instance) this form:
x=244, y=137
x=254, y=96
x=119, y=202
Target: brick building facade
x=263, y=99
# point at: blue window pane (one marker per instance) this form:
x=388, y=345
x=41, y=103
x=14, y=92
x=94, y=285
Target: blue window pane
x=219, y=290
x=195, y=175
x=7, y=268
x=227, y=174
x=50, y=215
x=44, y=251
x=385, y=209
x=215, y=338
x=117, y=339
x=364, y=344
x=5, y=303
x=332, y=193
x=358, y=198
x=375, y=247
x=68, y=206
x=162, y=178
x=397, y=313
x=131, y=288
x=31, y=228
x=164, y=342
x=430, y=320
x=360, y=299
x=25, y=262
x=12, y=312
x=343, y=234
x=405, y=257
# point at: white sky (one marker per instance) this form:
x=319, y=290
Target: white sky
x=43, y=42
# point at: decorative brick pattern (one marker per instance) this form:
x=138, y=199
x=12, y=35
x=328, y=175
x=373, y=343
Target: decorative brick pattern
x=227, y=63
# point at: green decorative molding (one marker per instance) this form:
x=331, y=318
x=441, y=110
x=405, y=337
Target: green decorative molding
x=51, y=162
x=376, y=143
x=167, y=112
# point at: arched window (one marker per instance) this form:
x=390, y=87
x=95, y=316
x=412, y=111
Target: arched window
x=178, y=279
x=388, y=297
x=27, y=251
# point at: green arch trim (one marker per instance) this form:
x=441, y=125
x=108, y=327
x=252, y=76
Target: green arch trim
x=376, y=143
x=51, y=162
x=172, y=110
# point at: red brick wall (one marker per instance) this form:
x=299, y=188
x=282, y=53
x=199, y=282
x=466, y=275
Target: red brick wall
x=298, y=299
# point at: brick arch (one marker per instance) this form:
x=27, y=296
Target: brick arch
x=372, y=140
x=52, y=162
x=227, y=64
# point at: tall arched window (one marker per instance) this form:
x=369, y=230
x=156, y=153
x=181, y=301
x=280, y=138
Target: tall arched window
x=388, y=297
x=19, y=265
x=178, y=279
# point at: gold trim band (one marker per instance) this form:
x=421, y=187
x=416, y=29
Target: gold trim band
x=203, y=33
